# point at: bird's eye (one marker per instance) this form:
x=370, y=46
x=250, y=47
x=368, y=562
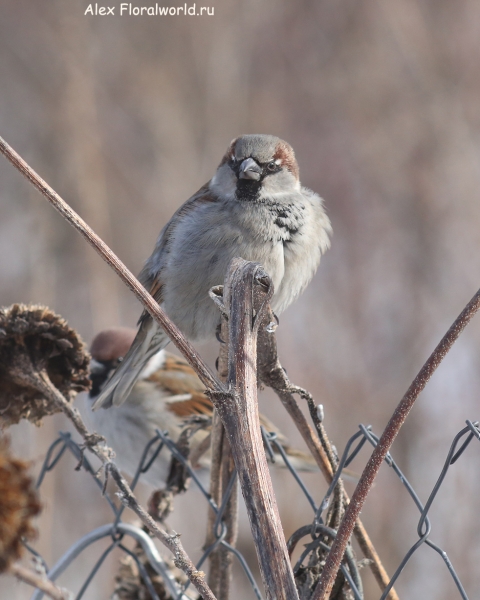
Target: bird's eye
x=272, y=166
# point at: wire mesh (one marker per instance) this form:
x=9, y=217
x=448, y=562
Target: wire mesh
x=318, y=532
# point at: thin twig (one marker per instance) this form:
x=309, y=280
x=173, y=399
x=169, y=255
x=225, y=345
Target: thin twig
x=158, y=314
x=172, y=541
x=390, y=432
x=42, y=383
x=39, y=581
x=217, y=390
x=203, y=371
x=273, y=375
x=221, y=559
x=221, y=470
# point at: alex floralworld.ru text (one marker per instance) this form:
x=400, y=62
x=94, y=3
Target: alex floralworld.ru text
x=127, y=9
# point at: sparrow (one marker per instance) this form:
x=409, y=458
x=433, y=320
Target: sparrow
x=254, y=207
x=168, y=395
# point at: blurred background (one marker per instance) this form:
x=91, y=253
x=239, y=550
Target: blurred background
x=126, y=117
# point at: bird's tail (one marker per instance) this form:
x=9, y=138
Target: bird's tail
x=149, y=340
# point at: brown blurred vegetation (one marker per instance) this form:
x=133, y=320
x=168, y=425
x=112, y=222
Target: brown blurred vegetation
x=126, y=117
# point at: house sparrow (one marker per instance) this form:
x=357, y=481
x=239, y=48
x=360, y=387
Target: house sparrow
x=255, y=208
x=167, y=394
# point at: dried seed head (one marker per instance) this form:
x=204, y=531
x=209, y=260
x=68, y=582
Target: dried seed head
x=18, y=504
x=32, y=340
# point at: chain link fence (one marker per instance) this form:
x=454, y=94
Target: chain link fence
x=317, y=534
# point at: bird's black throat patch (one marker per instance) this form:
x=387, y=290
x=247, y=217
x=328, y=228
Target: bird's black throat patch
x=248, y=191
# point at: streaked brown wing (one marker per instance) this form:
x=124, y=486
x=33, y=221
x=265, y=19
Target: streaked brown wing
x=177, y=377
x=198, y=405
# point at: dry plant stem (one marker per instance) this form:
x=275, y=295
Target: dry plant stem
x=172, y=541
x=334, y=558
x=227, y=468
x=145, y=298
x=359, y=531
x=41, y=381
x=239, y=411
x=215, y=575
x=313, y=443
x=221, y=559
x=272, y=374
x=38, y=581
x=182, y=561
x=205, y=374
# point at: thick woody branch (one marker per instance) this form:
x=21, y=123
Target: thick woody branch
x=239, y=412
x=39, y=581
x=203, y=371
x=332, y=564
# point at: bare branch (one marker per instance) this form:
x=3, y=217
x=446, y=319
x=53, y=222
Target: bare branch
x=111, y=259
x=332, y=564
x=39, y=581
x=272, y=374
x=158, y=314
x=218, y=391
x=43, y=384
x=221, y=470
x=221, y=559
x=239, y=412
x=172, y=541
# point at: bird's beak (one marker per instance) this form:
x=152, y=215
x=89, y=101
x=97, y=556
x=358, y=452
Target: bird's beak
x=249, y=169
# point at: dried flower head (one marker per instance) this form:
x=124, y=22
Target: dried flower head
x=35, y=343
x=18, y=504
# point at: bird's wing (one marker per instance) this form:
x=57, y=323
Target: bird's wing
x=150, y=338
x=150, y=275
x=197, y=405
x=177, y=376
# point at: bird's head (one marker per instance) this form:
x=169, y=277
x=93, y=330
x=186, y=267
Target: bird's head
x=255, y=167
x=108, y=349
